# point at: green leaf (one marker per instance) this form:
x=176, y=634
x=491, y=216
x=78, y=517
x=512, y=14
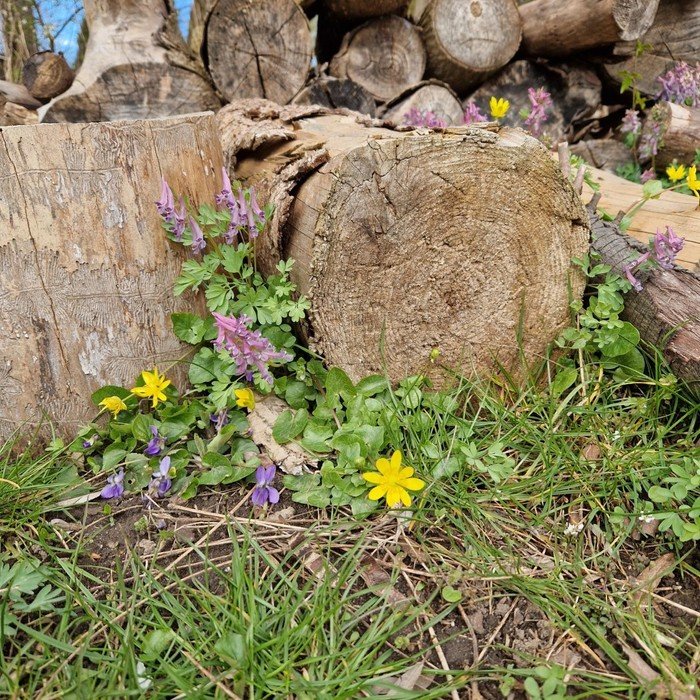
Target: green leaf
x=451, y=595
x=339, y=384
x=372, y=385
x=156, y=642
x=627, y=340
x=110, y=390
x=564, y=379
x=191, y=328
x=232, y=648
x=141, y=427
x=113, y=455
x=652, y=189
x=316, y=437
x=289, y=425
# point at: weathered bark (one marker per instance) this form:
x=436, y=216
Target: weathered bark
x=674, y=36
x=260, y=49
x=385, y=56
x=468, y=40
x=680, y=132
x=428, y=96
x=86, y=272
x=337, y=94
x=363, y=9
x=562, y=27
x=667, y=310
x=198, y=21
x=46, y=74
x=136, y=66
x=14, y=92
x=575, y=91
x=396, y=243
x=16, y=115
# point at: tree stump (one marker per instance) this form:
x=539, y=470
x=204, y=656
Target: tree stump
x=410, y=241
x=337, y=94
x=428, y=96
x=363, y=9
x=46, y=74
x=86, y=272
x=260, y=49
x=385, y=56
x=563, y=27
x=136, y=66
x=680, y=132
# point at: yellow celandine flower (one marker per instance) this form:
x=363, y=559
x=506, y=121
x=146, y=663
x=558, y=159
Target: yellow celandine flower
x=693, y=182
x=499, y=107
x=153, y=386
x=393, y=482
x=113, y=404
x=675, y=172
x=245, y=398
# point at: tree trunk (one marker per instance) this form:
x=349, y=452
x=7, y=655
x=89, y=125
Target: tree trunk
x=667, y=310
x=468, y=40
x=363, y=9
x=385, y=56
x=86, y=272
x=46, y=74
x=428, y=96
x=18, y=35
x=674, y=36
x=337, y=94
x=135, y=66
x=410, y=241
x=680, y=132
x=260, y=49
x=563, y=27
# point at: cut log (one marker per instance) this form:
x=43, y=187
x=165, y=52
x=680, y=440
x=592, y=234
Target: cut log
x=260, y=49
x=575, y=90
x=667, y=310
x=674, y=36
x=46, y=74
x=386, y=56
x=16, y=115
x=563, y=27
x=198, y=21
x=606, y=154
x=86, y=272
x=337, y=94
x=136, y=65
x=397, y=242
x=428, y=96
x=468, y=40
x=364, y=9
x=13, y=92
x=679, y=135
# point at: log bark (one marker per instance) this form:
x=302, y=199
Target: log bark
x=428, y=96
x=460, y=39
x=364, y=9
x=674, y=36
x=136, y=66
x=198, y=21
x=396, y=242
x=337, y=94
x=667, y=310
x=680, y=132
x=14, y=92
x=46, y=74
x=86, y=271
x=563, y=27
x=260, y=49
x=385, y=56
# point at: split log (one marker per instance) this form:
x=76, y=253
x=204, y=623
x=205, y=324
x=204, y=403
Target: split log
x=563, y=27
x=86, y=272
x=680, y=132
x=667, y=310
x=337, y=94
x=46, y=74
x=364, y=9
x=13, y=92
x=428, y=96
x=385, y=56
x=396, y=242
x=468, y=40
x=136, y=65
x=674, y=36
x=260, y=49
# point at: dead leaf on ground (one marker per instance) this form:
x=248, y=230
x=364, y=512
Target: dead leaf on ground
x=649, y=579
x=653, y=680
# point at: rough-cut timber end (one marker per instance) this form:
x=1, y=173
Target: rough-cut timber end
x=634, y=17
x=46, y=74
x=428, y=96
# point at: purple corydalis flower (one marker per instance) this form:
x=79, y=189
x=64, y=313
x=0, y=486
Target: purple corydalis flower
x=681, y=85
x=540, y=102
x=179, y=220
x=249, y=349
x=263, y=492
x=630, y=267
x=647, y=175
x=666, y=246
x=649, y=143
x=166, y=203
x=631, y=124
x=472, y=114
x=426, y=118
x=155, y=444
x=198, y=242
x=160, y=480
x=115, y=486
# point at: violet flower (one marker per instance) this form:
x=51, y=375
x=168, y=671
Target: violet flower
x=631, y=123
x=198, y=242
x=219, y=419
x=249, y=349
x=426, y=118
x=87, y=444
x=160, y=480
x=472, y=114
x=666, y=246
x=681, y=85
x=115, y=486
x=166, y=203
x=540, y=102
x=263, y=492
x=155, y=444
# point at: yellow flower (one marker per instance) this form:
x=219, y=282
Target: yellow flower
x=113, y=404
x=153, y=386
x=675, y=172
x=393, y=481
x=693, y=181
x=499, y=107
x=245, y=398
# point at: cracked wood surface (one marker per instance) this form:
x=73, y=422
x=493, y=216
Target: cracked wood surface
x=407, y=241
x=86, y=273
